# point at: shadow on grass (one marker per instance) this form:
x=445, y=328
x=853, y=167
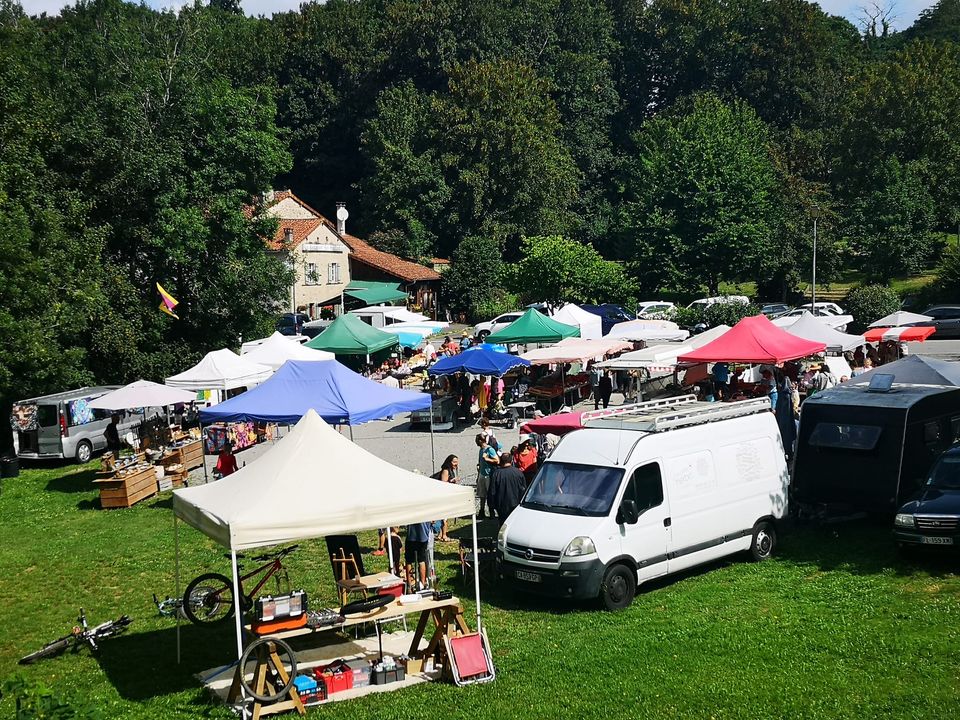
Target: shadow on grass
x=73, y=482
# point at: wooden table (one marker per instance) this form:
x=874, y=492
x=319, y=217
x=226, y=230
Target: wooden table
x=444, y=613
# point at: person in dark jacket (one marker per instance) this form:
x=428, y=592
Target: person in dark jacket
x=606, y=388
x=507, y=486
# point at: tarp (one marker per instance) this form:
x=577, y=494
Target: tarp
x=914, y=333
x=900, y=317
x=534, y=327
x=591, y=326
x=810, y=327
x=277, y=349
x=394, y=312
x=664, y=356
x=915, y=370
x=477, y=361
x=575, y=350
x=374, y=293
x=754, y=340
x=558, y=424
x=336, y=393
x=220, y=370
x=349, y=335
x=142, y=393
x=315, y=482
x=648, y=331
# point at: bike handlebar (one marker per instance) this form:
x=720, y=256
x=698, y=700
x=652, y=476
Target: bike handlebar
x=282, y=553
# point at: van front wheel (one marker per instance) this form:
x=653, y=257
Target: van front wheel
x=764, y=541
x=618, y=587
x=84, y=452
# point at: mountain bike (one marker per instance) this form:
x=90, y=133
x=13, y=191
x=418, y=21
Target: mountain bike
x=208, y=599
x=80, y=635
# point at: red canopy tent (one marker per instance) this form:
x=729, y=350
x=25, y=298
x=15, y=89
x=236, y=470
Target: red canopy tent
x=912, y=333
x=754, y=340
x=557, y=424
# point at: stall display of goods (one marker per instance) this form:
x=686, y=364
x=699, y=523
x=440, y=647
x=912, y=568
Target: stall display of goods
x=241, y=435
x=186, y=452
x=387, y=671
x=336, y=677
x=555, y=389
x=127, y=485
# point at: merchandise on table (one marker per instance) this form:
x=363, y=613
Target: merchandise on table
x=241, y=435
x=336, y=677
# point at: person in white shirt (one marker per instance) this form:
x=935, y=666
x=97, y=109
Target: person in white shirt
x=429, y=351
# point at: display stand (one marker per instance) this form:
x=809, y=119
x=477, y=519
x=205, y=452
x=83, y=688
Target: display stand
x=267, y=660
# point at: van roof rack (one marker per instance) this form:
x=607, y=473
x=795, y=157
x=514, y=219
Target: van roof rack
x=671, y=413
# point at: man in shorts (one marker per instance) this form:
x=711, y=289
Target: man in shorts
x=415, y=554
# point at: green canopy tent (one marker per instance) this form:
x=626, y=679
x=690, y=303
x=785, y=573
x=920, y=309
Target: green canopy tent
x=349, y=335
x=533, y=327
x=374, y=293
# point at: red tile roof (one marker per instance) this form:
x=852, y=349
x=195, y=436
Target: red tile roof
x=390, y=264
x=439, y=261
x=301, y=230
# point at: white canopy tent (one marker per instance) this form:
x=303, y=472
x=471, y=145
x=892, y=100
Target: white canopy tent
x=833, y=321
x=663, y=357
x=571, y=350
x=142, y=394
x=591, y=326
x=648, y=331
x=810, y=327
x=297, y=490
x=277, y=349
x=221, y=370
x=900, y=317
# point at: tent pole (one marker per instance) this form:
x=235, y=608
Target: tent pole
x=476, y=572
x=351, y=432
x=236, y=603
x=203, y=455
x=176, y=574
x=433, y=452
x=389, y=550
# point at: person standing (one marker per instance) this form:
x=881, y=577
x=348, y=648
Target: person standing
x=418, y=535
x=595, y=386
x=721, y=376
x=507, y=487
x=449, y=473
x=525, y=458
x=226, y=461
x=487, y=460
x=606, y=388
x=112, y=436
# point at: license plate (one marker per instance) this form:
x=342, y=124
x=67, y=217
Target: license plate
x=530, y=577
x=932, y=541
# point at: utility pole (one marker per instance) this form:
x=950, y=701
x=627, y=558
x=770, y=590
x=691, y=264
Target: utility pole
x=815, y=213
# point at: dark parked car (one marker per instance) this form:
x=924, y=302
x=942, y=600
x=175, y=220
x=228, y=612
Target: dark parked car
x=774, y=309
x=932, y=516
x=946, y=319
x=291, y=323
x=610, y=314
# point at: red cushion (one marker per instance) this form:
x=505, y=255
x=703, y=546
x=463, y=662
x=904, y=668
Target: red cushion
x=469, y=655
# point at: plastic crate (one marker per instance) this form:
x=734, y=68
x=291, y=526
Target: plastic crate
x=335, y=677
x=361, y=672
x=384, y=677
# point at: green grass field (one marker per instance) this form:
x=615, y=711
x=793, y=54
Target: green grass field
x=837, y=626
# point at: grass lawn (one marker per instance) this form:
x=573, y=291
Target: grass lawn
x=835, y=627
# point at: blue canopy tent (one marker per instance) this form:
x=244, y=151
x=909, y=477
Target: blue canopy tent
x=337, y=394
x=478, y=361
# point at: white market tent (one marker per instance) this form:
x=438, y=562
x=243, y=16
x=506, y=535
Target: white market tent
x=900, y=317
x=573, y=350
x=591, y=326
x=663, y=357
x=312, y=483
x=220, y=370
x=142, y=394
x=810, y=327
x=277, y=349
x=648, y=331
x=395, y=313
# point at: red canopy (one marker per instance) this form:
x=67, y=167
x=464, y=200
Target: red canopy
x=558, y=424
x=900, y=334
x=754, y=340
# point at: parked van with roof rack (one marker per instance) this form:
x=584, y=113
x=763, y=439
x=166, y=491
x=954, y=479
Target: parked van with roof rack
x=644, y=491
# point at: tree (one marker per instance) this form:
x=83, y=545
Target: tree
x=869, y=303
x=940, y=22
x=701, y=199
x=557, y=270
x=474, y=274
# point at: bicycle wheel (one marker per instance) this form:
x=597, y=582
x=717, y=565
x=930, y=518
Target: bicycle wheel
x=49, y=650
x=208, y=599
x=278, y=689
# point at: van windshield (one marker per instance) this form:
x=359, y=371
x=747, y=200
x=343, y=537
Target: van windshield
x=946, y=473
x=574, y=489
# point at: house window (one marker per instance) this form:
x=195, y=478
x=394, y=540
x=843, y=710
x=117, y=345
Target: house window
x=310, y=274
x=333, y=273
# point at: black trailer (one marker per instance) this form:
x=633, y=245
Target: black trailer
x=859, y=450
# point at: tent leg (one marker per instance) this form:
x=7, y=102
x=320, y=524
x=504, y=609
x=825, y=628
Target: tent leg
x=433, y=452
x=236, y=602
x=203, y=455
x=476, y=572
x=176, y=575
x=351, y=432
x=389, y=550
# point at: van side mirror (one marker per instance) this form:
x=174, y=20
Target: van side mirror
x=627, y=513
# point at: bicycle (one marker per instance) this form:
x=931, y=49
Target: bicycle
x=80, y=635
x=209, y=599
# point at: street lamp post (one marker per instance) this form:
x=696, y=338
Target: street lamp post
x=815, y=213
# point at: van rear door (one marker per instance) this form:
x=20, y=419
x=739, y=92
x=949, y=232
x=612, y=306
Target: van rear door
x=647, y=540
x=48, y=429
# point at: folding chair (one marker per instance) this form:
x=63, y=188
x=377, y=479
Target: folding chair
x=469, y=658
x=486, y=558
x=348, y=572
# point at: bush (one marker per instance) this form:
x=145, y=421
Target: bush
x=870, y=303
x=686, y=317
x=728, y=313
x=499, y=302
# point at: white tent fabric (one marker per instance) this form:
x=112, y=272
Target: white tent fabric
x=648, y=331
x=142, y=393
x=662, y=357
x=401, y=314
x=428, y=326
x=220, y=370
x=571, y=350
x=900, y=317
x=277, y=349
x=810, y=327
x=591, y=326
x=315, y=482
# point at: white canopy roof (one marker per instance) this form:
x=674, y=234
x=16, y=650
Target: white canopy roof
x=648, y=330
x=142, y=393
x=277, y=349
x=221, y=370
x=591, y=326
x=810, y=327
x=833, y=321
x=570, y=350
x=900, y=317
x=315, y=482
x=663, y=356
x=397, y=314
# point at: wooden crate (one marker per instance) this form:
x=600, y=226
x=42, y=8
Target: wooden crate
x=189, y=456
x=125, y=490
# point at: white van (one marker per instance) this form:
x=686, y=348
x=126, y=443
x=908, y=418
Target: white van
x=657, y=487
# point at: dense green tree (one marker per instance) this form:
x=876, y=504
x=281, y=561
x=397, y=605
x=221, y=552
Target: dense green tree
x=869, y=303
x=474, y=276
x=939, y=22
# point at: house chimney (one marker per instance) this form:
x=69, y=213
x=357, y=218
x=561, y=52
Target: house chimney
x=288, y=236
x=342, y=216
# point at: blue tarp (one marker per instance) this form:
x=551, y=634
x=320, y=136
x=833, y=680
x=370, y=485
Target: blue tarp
x=338, y=395
x=478, y=361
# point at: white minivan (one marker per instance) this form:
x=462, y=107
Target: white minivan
x=654, y=488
